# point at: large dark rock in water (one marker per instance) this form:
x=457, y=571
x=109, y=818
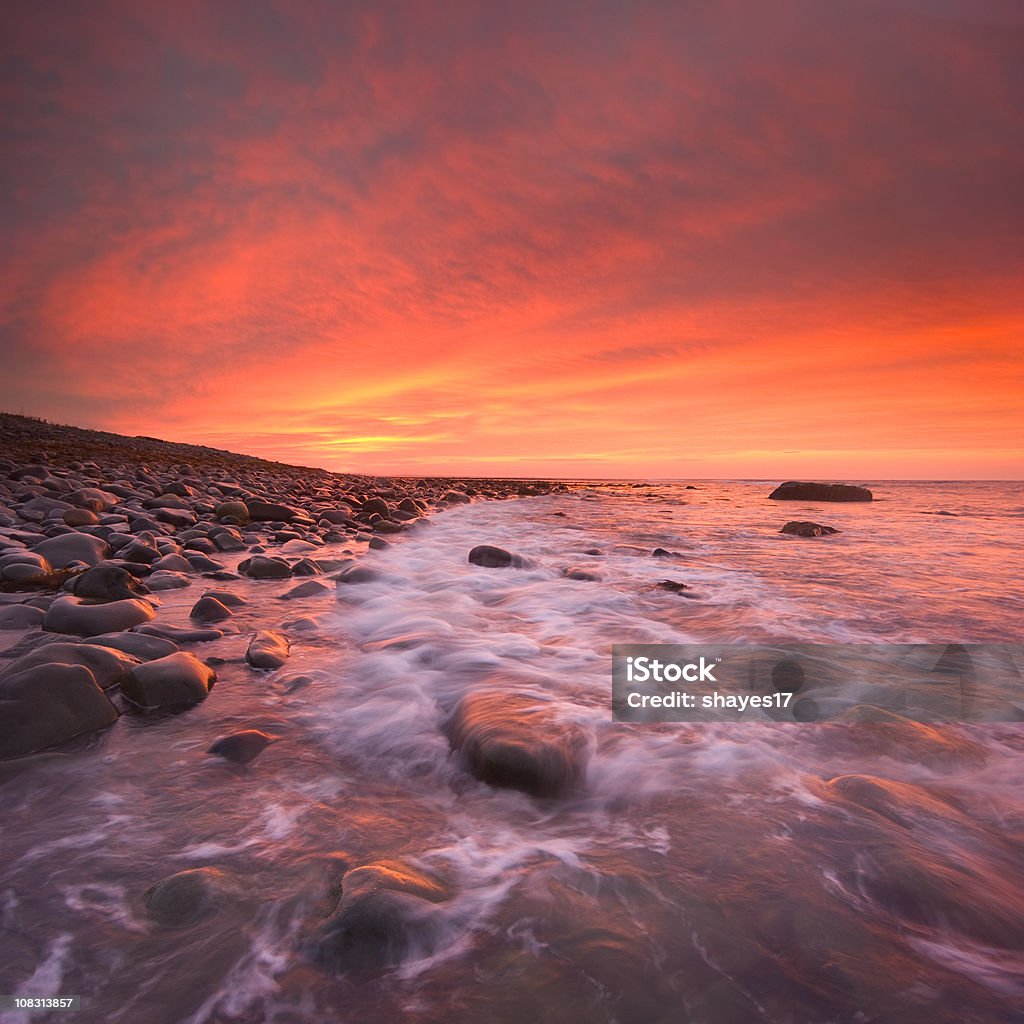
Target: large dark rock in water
x=513, y=740
x=491, y=557
x=795, y=490
x=267, y=649
x=175, y=681
x=186, y=897
x=242, y=747
x=798, y=528
x=388, y=913
x=108, y=666
x=47, y=704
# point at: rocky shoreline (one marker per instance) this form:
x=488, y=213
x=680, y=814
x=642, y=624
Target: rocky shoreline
x=95, y=526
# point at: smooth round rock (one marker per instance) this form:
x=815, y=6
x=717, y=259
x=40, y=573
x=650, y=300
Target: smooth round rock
x=20, y=616
x=209, y=609
x=186, y=897
x=73, y=615
x=267, y=650
x=69, y=548
x=49, y=704
x=179, y=679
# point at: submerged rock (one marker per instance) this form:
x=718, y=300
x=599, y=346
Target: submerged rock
x=389, y=913
x=242, y=747
x=186, y=897
x=47, y=704
x=800, y=528
x=796, y=490
x=514, y=740
x=491, y=557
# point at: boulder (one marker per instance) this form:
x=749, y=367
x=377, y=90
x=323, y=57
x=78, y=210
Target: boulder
x=175, y=681
x=138, y=645
x=388, y=913
x=107, y=583
x=209, y=609
x=267, y=649
x=20, y=616
x=491, y=557
x=74, y=615
x=795, y=490
x=48, y=704
x=513, y=739
x=69, y=548
x=167, y=579
x=180, y=634
x=268, y=511
x=799, y=528
x=236, y=511
x=186, y=897
x=107, y=665
x=311, y=588
x=242, y=747
x=263, y=567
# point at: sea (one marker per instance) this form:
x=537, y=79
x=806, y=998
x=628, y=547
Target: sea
x=845, y=872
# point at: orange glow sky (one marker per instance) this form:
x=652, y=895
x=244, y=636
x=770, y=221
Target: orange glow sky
x=587, y=239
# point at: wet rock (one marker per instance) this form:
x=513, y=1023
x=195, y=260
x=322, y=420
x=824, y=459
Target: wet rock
x=514, y=740
x=227, y=598
x=180, y=634
x=263, y=567
x=48, y=704
x=491, y=557
x=242, y=747
x=175, y=681
x=73, y=615
x=675, y=587
x=20, y=616
x=138, y=645
x=379, y=544
x=167, y=580
x=71, y=548
x=575, y=572
x=357, y=574
x=107, y=665
x=209, y=609
x=389, y=913
x=799, y=528
x=795, y=490
x=661, y=553
x=187, y=897
x=311, y=588
x=307, y=567
x=267, y=650
x=107, y=583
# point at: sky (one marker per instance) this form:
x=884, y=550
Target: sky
x=599, y=239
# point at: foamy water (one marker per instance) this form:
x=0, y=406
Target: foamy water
x=705, y=873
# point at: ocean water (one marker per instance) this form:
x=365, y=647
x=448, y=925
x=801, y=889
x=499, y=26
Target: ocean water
x=720, y=874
